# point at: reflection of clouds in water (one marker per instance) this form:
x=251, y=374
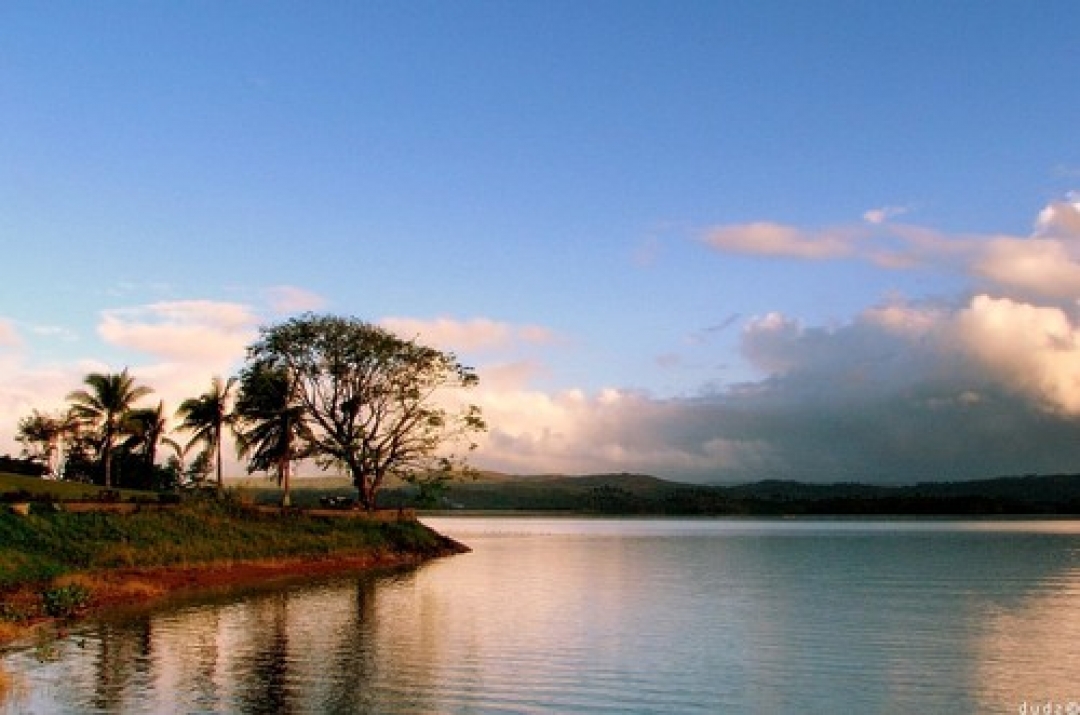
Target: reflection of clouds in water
x=1027, y=651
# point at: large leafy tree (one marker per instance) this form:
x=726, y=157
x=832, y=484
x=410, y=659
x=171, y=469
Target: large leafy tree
x=206, y=417
x=104, y=406
x=271, y=428
x=376, y=405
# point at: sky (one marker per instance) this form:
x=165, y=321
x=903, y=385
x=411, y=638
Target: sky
x=710, y=241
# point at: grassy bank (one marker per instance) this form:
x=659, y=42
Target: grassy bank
x=13, y=484
x=49, y=543
x=57, y=564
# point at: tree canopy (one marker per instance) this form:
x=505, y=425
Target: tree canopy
x=375, y=404
x=103, y=406
x=207, y=416
x=271, y=424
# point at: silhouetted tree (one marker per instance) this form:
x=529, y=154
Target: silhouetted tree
x=371, y=399
x=271, y=429
x=206, y=416
x=103, y=407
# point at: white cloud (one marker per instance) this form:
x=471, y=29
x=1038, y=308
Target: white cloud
x=1045, y=265
x=1061, y=219
x=1031, y=349
x=883, y=214
x=286, y=300
x=1038, y=267
x=192, y=330
x=904, y=392
x=476, y=334
x=778, y=240
x=24, y=388
x=185, y=343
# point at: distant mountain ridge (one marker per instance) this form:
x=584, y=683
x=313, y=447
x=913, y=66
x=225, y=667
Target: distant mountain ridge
x=645, y=494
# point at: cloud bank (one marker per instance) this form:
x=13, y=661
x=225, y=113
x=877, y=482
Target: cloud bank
x=981, y=384
x=984, y=385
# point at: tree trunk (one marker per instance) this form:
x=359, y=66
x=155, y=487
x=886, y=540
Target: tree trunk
x=283, y=470
x=217, y=460
x=365, y=491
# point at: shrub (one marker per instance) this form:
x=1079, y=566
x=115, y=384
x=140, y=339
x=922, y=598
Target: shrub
x=64, y=601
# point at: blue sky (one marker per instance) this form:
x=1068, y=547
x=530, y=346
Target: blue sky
x=713, y=241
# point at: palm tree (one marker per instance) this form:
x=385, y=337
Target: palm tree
x=146, y=427
x=206, y=416
x=179, y=455
x=272, y=424
x=104, y=405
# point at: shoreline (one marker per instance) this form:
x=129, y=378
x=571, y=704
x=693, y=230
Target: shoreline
x=118, y=589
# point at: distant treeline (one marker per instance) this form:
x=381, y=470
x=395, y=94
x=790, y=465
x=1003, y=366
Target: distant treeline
x=18, y=465
x=638, y=494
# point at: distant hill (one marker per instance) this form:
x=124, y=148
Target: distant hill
x=645, y=494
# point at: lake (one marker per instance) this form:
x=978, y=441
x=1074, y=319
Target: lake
x=552, y=615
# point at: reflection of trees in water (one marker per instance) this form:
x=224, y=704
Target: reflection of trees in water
x=354, y=645
x=201, y=660
x=377, y=662
x=355, y=662
x=122, y=662
x=264, y=685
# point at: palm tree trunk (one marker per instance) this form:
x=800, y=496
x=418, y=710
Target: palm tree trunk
x=217, y=460
x=106, y=457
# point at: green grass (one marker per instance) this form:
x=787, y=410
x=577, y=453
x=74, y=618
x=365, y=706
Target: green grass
x=50, y=543
x=61, y=491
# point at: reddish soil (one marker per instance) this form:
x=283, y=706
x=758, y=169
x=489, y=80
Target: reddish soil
x=126, y=587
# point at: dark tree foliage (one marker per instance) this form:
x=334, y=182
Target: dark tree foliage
x=375, y=405
x=27, y=467
x=206, y=417
x=272, y=429
x=102, y=407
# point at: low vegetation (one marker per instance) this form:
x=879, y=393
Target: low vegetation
x=55, y=563
x=14, y=487
x=50, y=543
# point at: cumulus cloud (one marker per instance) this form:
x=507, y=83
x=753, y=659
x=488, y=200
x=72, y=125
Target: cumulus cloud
x=476, y=334
x=1039, y=267
x=778, y=240
x=1042, y=265
x=285, y=300
x=902, y=393
x=183, y=344
x=1035, y=350
x=199, y=330
x=1061, y=219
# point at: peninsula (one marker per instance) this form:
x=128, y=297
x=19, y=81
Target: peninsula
x=61, y=559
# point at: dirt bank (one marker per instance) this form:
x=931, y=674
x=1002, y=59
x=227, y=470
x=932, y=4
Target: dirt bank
x=116, y=588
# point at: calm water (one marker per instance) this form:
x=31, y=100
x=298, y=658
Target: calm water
x=619, y=616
